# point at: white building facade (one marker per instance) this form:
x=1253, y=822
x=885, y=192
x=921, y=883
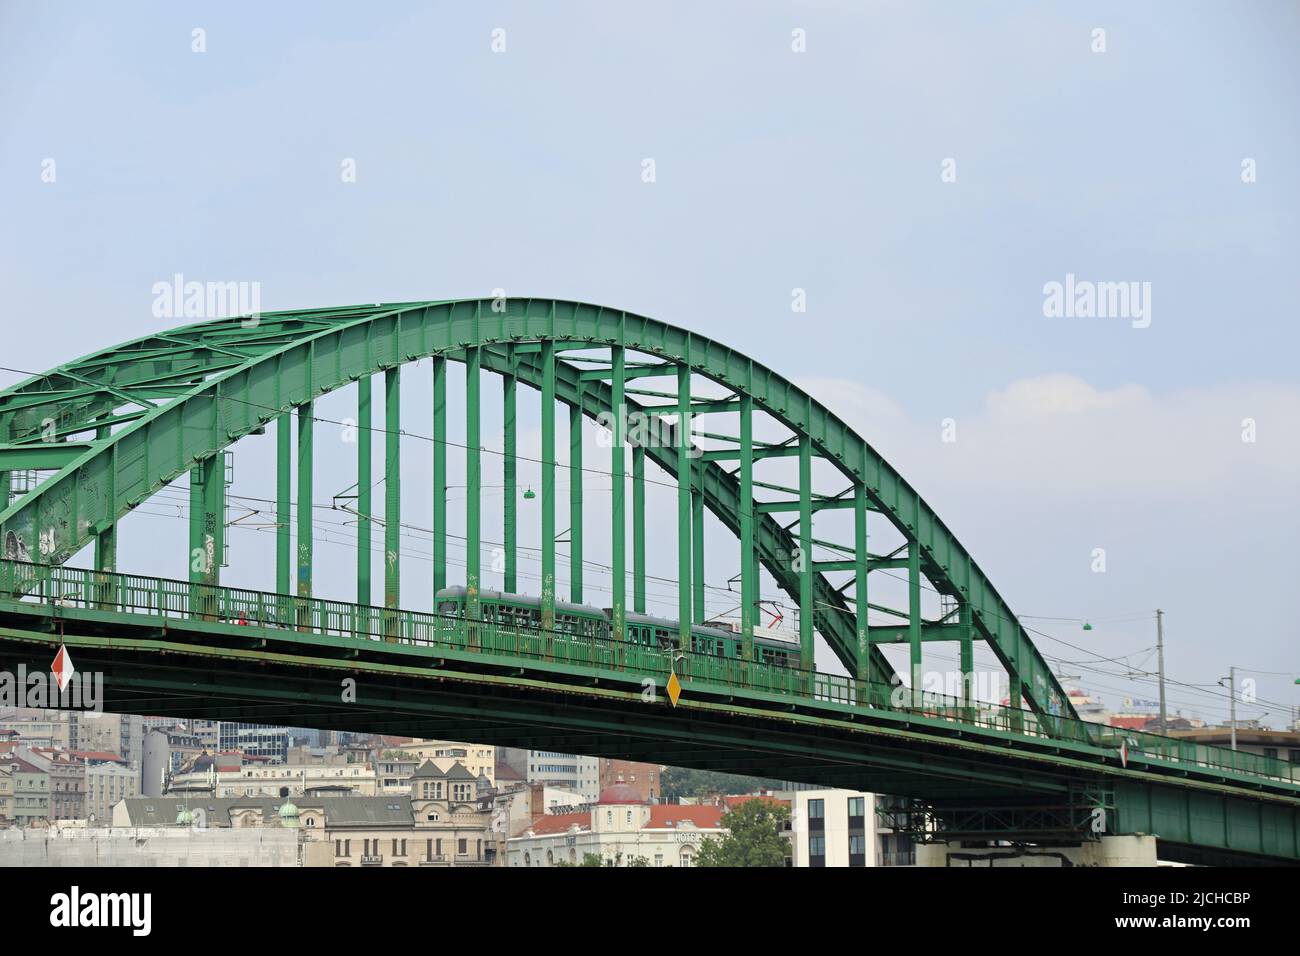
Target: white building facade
x=621, y=830
x=839, y=828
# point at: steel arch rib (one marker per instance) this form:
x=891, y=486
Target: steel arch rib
x=336, y=346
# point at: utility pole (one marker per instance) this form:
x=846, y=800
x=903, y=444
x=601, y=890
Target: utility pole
x=1160, y=664
x=1232, y=703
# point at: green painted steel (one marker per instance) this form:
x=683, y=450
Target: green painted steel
x=283, y=503
x=697, y=541
x=618, y=486
x=393, y=487
x=509, y=479
x=473, y=481
x=805, y=552
x=914, y=622
x=179, y=397
x=207, y=520
x=306, y=490
x=638, y=529
x=576, y=478
x=860, y=593
x=683, y=437
x=548, y=485
x=748, y=599
x=439, y=473
x=105, y=537
x=967, y=654
x=844, y=731
x=365, y=482
x=720, y=495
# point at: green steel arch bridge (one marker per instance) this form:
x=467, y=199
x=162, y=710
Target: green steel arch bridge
x=84, y=444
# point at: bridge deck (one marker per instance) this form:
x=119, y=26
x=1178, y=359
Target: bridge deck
x=335, y=629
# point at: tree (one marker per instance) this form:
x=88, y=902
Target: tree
x=755, y=836
x=677, y=782
x=595, y=859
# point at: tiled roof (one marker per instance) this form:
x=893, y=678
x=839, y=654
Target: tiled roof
x=666, y=815
x=559, y=823
x=22, y=765
x=101, y=755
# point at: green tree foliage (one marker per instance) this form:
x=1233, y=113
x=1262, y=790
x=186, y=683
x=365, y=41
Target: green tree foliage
x=677, y=783
x=596, y=860
x=755, y=836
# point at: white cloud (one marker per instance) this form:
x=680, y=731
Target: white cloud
x=1057, y=435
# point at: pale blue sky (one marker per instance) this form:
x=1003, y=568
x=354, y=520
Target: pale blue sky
x=775, y=170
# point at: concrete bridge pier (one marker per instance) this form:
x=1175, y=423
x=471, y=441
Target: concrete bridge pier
x=1136, y=850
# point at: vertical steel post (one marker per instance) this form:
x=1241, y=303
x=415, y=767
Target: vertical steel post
x=576, y=477
x=283, y=483
x=914, y=615
x=207, y=523
x=304, y=508
x=392, y=488
x=1015, y=697
x=439, y=474
x=207, y=519
x=365, y=480
x=548, y=486
x=966, y=623
x=618, y=482
x=106, y=539
x=509, y=481
x=860, y=578
x=747, y=525
x=805, y=554
x=684, y=472
x=697, y=541
x=473, y=482
x=638, y=529
x=6, y=478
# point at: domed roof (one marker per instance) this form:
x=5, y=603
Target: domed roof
x=620, y=793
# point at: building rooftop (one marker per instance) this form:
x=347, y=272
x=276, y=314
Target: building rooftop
x=339, y=811
x=620, y=794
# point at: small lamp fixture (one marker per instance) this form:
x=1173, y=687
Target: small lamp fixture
x=1087, y=626
x=529, y=494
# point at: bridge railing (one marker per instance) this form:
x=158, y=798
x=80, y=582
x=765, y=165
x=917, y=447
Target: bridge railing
x=166, y=599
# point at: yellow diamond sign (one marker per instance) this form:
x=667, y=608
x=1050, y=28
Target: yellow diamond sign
x=674, y=688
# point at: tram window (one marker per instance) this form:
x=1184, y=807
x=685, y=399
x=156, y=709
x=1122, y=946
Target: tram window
x=448, y=607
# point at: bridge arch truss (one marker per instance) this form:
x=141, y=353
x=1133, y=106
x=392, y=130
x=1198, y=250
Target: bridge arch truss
x=84, y=444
